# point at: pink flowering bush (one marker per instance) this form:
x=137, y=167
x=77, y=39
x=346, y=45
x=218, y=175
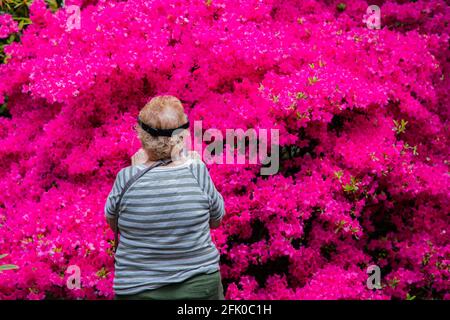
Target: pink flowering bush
x=363, y=118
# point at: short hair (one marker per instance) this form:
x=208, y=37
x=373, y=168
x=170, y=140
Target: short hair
x=162, y=112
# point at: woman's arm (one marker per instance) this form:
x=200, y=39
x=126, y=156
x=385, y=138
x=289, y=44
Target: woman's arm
x=113, y=197
x=111, y=223
x=110, y=207
x=216, y=203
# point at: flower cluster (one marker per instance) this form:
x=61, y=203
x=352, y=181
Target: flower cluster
x=362, y=114
x=7, y=25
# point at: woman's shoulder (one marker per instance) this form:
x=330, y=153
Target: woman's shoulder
x=128, y=171
x=192, y=161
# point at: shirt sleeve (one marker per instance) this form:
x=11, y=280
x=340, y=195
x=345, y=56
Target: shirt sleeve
x=216, y=203
x=113, y=197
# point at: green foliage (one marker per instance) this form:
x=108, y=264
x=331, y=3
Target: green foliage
x=339, y=174
x=400, y=127
x=16, y=8
x=394, y=282
x=5, y=267
x=352, y=186
x=312, y=80
x=301, y=95
x=4, y=108
x=341, y=7
x=410, y=297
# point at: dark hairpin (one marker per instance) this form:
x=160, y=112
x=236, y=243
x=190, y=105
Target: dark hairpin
x=160, y=132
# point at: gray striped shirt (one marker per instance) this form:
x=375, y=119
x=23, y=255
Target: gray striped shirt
x=164, y=226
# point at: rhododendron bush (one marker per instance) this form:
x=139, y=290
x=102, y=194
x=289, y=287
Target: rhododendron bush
x=363, y=121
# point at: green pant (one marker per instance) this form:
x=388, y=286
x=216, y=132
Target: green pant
x=203, y=286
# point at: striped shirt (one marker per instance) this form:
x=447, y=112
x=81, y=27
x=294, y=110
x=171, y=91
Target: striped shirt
x=164, y=226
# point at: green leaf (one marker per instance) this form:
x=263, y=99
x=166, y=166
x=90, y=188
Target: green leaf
x=312, y=80
x=400, y=127
x=300, y=95
x=409, y=297
x=352, y=186
x=338, y=174
x=8, y=267
x=3, y=255
x=341, y=6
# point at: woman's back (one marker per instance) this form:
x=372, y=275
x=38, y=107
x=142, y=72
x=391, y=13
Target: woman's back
x=164, y=226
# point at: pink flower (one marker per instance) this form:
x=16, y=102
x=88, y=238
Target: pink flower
x=7, y=25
